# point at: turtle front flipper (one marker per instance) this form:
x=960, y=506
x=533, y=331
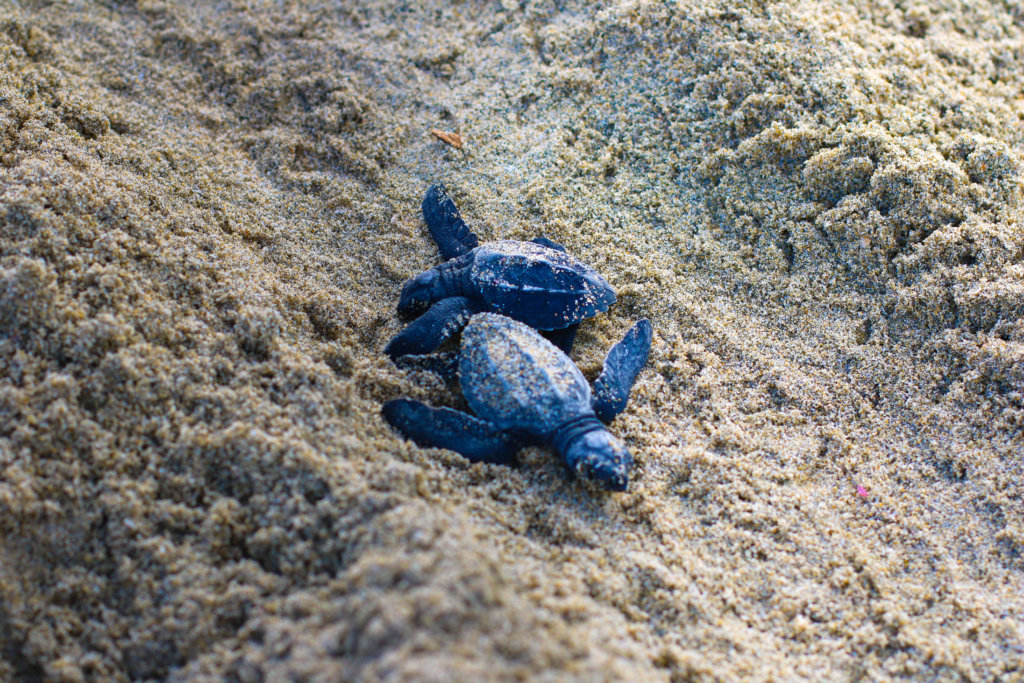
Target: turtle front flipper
x=621, y=366
x=550, y=244
x=446, y=226
x=431, y=329
x=471, y=437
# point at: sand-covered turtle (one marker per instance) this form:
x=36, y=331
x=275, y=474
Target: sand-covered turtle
x=535, y=282
x=524, y=390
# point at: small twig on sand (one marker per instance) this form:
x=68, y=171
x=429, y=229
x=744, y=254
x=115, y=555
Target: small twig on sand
x=453, y=139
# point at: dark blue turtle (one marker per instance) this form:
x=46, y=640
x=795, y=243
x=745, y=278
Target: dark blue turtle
x=524, y=389
x=534, y=282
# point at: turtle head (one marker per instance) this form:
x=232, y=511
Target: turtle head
x=600, y=456
x=419, y=292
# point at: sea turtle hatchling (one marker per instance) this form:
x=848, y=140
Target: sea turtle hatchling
x=525, y=390
x=535, y=282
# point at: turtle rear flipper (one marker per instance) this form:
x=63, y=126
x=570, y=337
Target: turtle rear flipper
x=453, y=236
x=562, y=338
x=430, y=330
x=469, y=436
x=550, y=244
x=621, y=366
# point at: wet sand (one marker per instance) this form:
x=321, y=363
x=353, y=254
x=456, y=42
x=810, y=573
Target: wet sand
x=206, y=216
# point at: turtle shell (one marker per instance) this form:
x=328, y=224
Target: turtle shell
x=543, y=287
x=518, y=380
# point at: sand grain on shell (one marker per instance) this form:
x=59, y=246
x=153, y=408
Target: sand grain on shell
x=207, y=215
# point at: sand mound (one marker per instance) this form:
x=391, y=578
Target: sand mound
x=207, y=215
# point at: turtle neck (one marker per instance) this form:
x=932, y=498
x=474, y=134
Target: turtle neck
x=455, y=277
x=564, y=435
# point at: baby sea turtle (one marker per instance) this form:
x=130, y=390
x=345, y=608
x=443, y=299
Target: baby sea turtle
x=534, y=282
x=525, y=390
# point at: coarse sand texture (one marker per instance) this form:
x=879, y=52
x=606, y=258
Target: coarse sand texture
x=207, y=212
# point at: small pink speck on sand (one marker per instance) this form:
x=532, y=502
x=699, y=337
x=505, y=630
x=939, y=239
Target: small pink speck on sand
x=861, y=491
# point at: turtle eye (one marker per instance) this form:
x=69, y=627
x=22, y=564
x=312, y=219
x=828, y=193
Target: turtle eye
x=426, y=278
x=417, y=294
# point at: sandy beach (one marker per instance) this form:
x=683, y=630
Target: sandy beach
x=207, y=215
